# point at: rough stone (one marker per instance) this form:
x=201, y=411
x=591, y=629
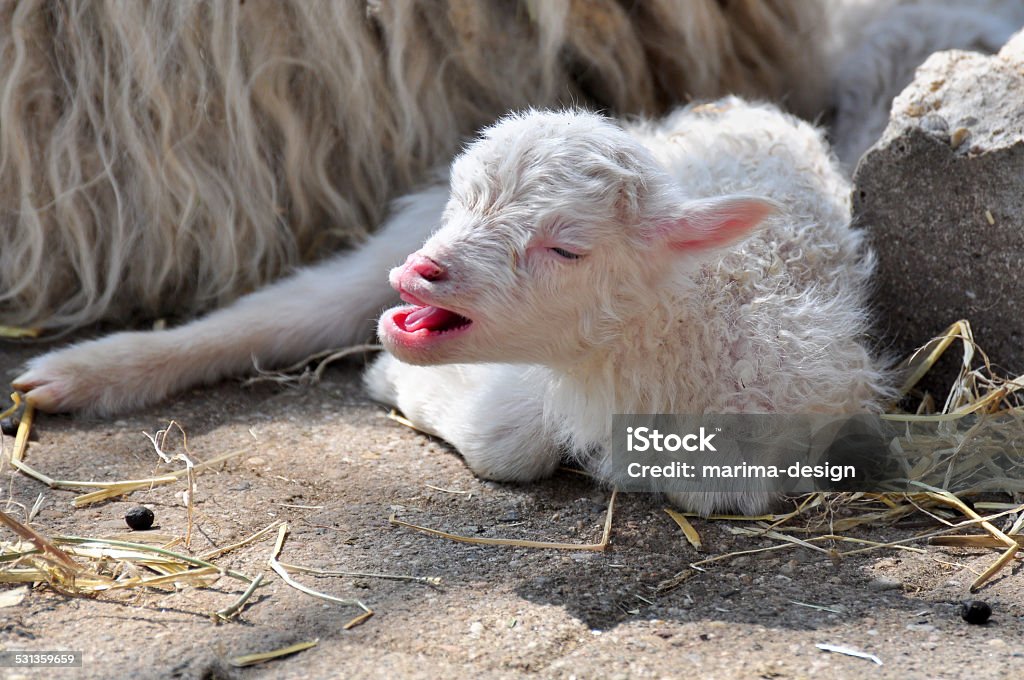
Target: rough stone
x=942, y=194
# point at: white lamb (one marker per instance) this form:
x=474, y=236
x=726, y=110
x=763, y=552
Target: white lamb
x=704, y=263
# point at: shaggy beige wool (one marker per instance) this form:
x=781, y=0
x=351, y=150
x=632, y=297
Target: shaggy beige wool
x=161, y=158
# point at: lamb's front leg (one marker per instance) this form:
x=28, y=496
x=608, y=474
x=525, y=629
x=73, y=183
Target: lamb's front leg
x=492, y=413
x=334, y=303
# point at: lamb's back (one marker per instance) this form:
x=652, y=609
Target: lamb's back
x=784, y=310
x=734, y=147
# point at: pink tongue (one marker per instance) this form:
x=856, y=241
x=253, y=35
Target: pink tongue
x=430, y=318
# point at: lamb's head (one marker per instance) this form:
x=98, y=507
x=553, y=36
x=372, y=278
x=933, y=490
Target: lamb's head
x=560, y=227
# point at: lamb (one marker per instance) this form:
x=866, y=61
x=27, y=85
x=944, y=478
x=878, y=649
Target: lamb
x=704, y=263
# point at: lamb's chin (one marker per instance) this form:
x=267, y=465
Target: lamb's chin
x=424, y=345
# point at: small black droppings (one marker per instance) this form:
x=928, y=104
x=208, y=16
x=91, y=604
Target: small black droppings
x=975, y=611
x=9, y=426
x=139, y=518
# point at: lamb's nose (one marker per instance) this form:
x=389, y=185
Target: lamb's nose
x=425, y=267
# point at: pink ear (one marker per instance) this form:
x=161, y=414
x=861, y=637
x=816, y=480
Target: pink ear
x=715, y=222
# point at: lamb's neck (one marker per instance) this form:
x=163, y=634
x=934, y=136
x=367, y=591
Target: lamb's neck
x=656, y=362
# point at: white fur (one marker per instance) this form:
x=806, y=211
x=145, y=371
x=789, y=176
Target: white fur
x=743, y=318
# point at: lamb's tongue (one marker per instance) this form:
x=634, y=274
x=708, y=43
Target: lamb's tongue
x=430, y=318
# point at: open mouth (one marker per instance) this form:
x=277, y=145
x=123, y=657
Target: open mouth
x=415, y=331
x=428, y=320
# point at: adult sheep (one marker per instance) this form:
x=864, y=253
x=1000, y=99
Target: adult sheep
x=162, y=158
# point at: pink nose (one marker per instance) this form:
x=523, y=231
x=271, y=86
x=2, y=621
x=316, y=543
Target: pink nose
x=424, y=267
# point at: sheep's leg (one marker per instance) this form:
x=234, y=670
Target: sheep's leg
x=328, y=305
x=492, y=413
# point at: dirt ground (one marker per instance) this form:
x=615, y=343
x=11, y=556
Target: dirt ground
x=331, y=464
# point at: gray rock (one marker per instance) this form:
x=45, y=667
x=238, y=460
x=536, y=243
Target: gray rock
x=942, y=194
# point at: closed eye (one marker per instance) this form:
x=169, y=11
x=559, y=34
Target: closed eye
x=568, y=255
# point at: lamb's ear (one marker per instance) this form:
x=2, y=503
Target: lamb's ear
x=715, y=222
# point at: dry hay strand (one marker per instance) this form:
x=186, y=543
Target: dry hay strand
x=429, y=581
x=114, y=489
x=303, y=372
x=866, y=512
x=262, y=657
x=976, y=441
x=16, y=404
x=217, y=552
x=24, y=429
x=282, y=571
x=600, y=546
x=849, y=651
x=18, y=332
x=405, y=422
x=110, y=564
x=159, y=442
x=692, y=537
x=235, y=608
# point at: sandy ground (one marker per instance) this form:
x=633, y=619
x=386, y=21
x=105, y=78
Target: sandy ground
x=329, y=462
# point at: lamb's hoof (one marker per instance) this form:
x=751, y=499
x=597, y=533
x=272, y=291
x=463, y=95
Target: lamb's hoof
x=45, y=394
